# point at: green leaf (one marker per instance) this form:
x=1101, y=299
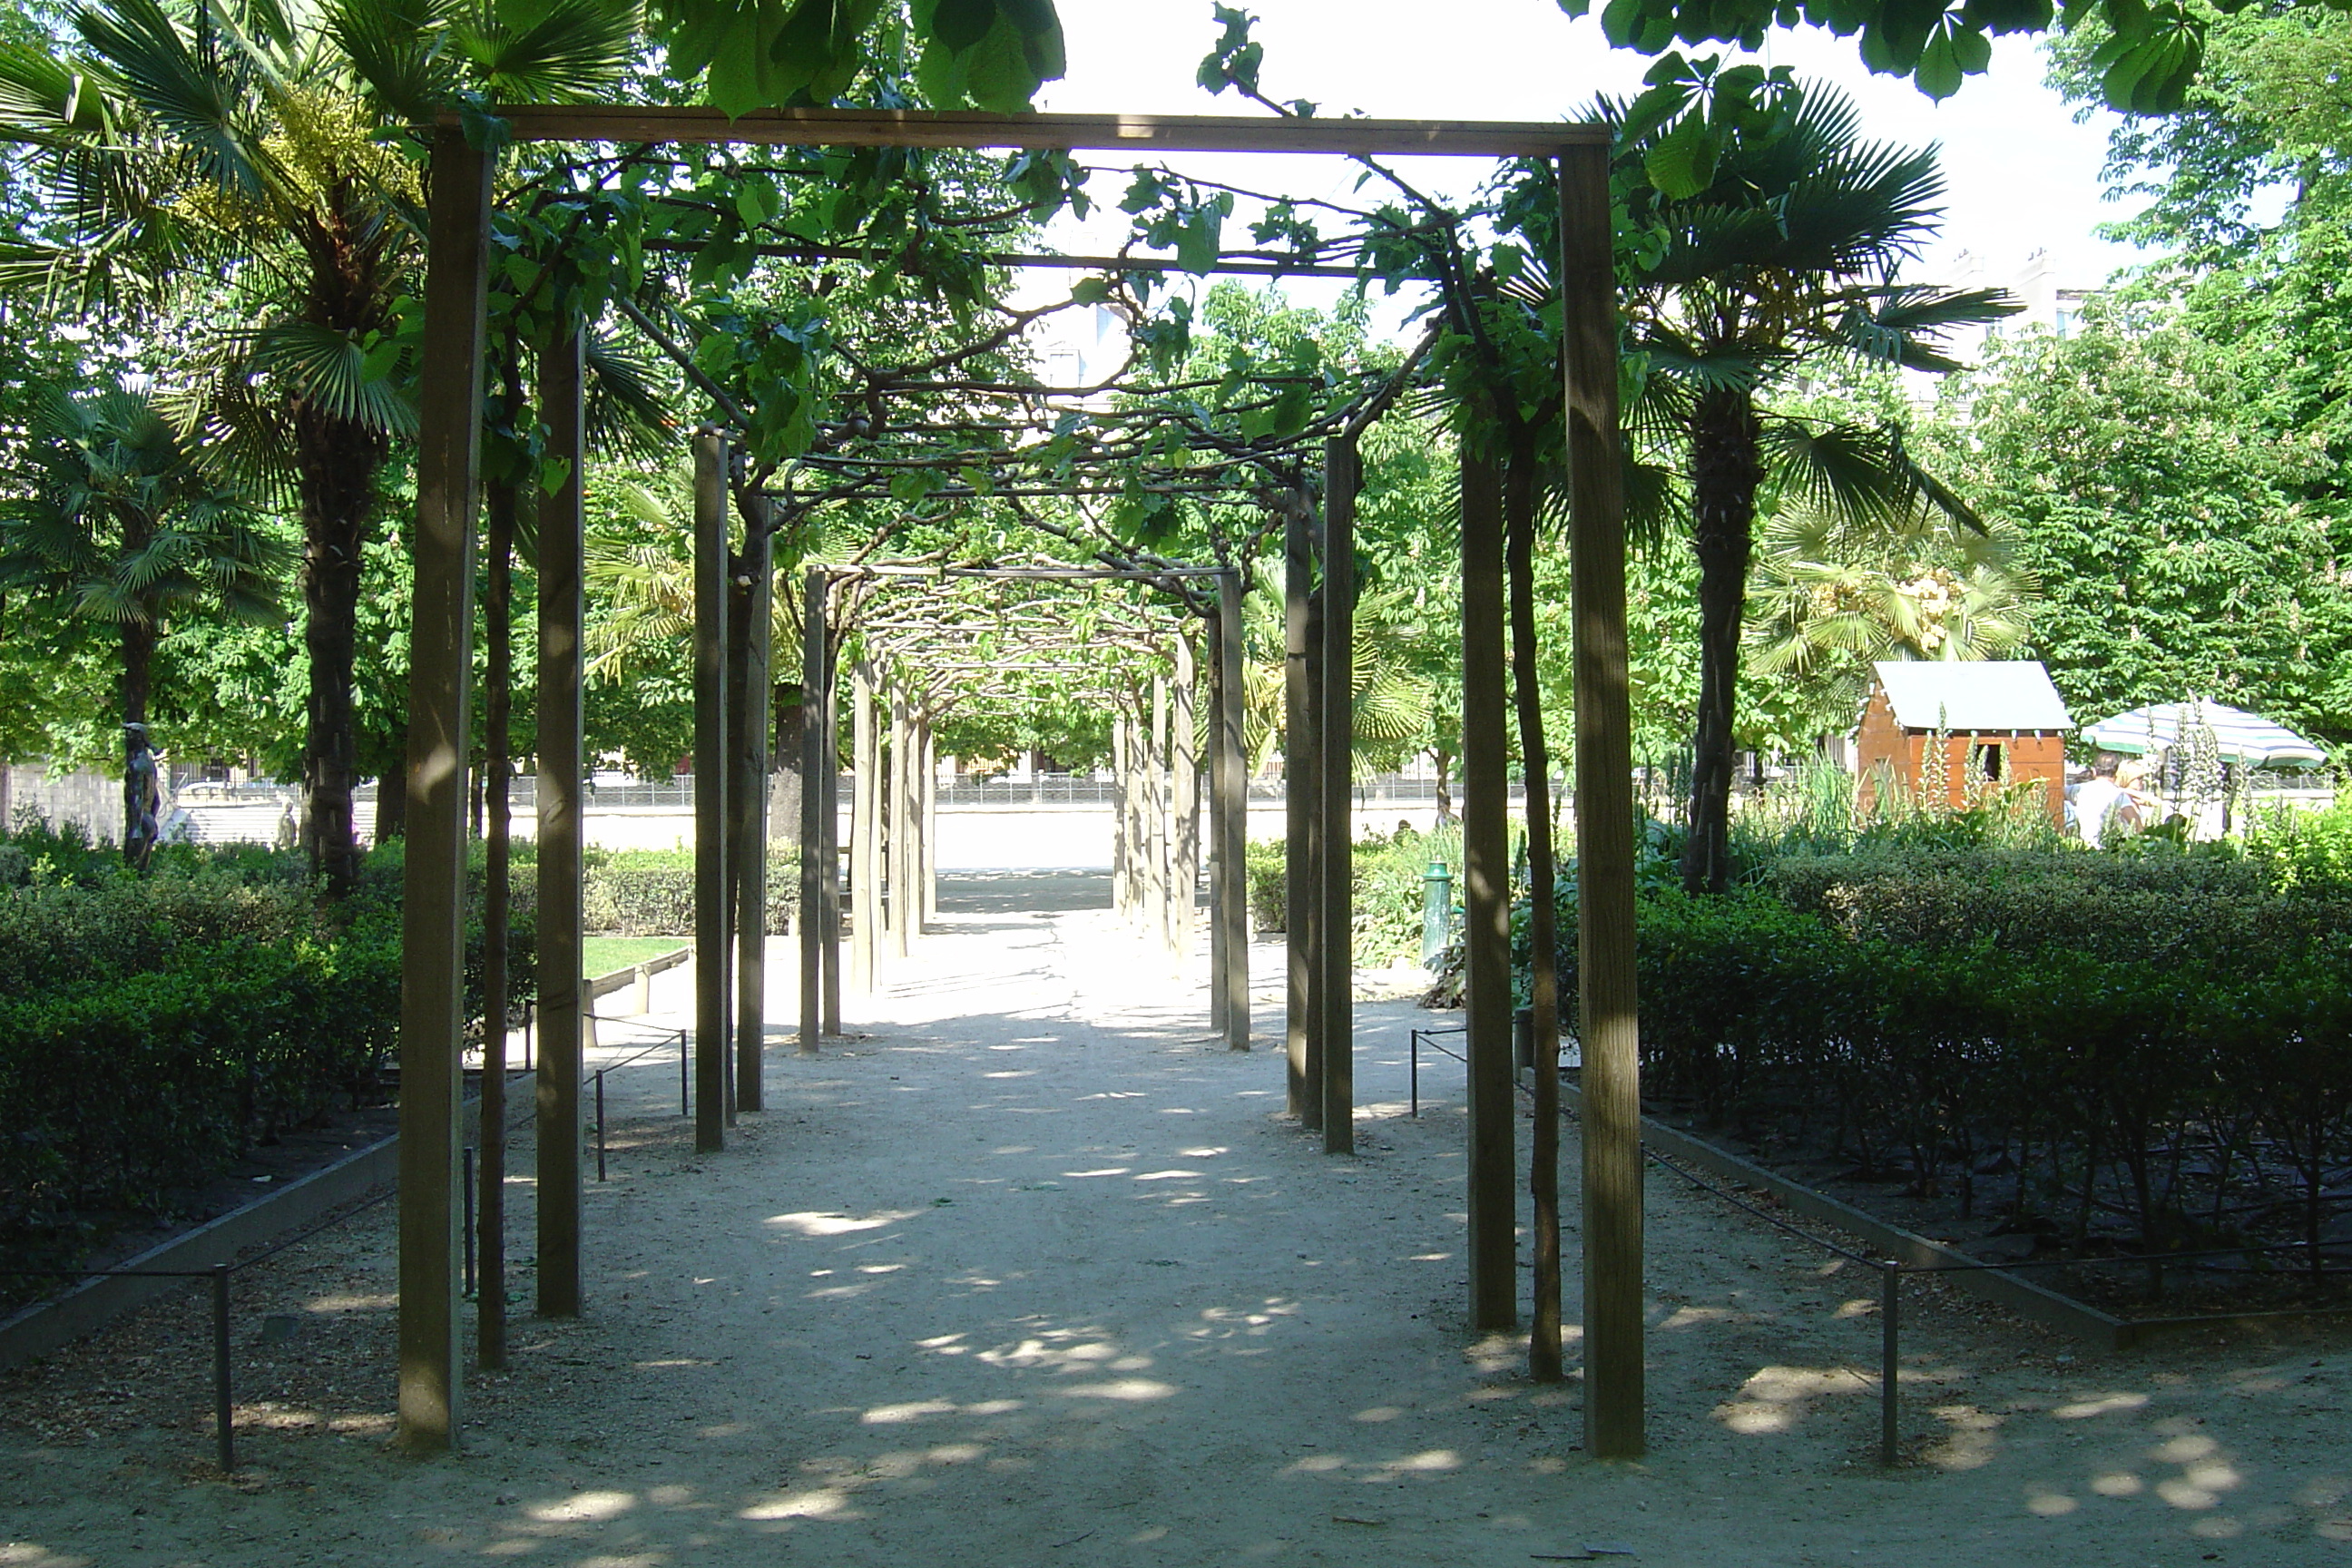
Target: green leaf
x=962, y=24
x=1201, y=242
x=1683, y=162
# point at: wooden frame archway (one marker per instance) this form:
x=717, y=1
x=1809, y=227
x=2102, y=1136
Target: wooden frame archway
x=451, y=398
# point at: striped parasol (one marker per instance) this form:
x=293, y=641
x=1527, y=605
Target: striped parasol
x=2246, y=739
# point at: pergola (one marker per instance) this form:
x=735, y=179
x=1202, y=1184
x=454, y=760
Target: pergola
x=451, y=398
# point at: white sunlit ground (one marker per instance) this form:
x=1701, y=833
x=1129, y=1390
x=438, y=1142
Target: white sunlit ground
x=1033, y=1272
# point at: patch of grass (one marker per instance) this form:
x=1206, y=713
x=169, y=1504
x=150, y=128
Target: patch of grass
x=603, y=954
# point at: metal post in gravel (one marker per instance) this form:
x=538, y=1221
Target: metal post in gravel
x=224, y=1412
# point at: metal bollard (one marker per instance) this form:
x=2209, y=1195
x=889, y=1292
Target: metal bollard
x=1890, y=1332
x=600, y=1124
x=1436, y=912
x=224, y=1418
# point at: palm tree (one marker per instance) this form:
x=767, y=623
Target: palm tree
x=1786, y=250
x=235, y=151
x=113, y=515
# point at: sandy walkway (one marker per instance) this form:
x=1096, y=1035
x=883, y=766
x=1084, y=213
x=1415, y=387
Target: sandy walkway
x=1035, y=1274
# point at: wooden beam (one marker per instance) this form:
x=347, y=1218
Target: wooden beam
x=711, y=765
x=1300, y=779
x=1335, y=738
x=1486, y=899
x=816, y=764
x=433, y=924
x=1126, y=134
x=1607, y=1027
x=563, y=765
x=1230, y=815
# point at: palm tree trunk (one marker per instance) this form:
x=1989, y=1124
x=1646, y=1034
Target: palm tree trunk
x=1544, y=1361
x=1726, y=468
x=336, y=461
x=139, y=639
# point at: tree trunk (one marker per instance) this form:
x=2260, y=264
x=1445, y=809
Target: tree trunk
x=1544, y=1358
x=139, y=639
x=1724, y=470
x=1445, y=761
x=336, y=463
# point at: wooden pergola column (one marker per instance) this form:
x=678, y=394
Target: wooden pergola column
x=1606, y=1023
x=1302, y=786
x=928, y=818
x=1335, y=739
x=1157, y=862
x=1184, y=787
x=712, y=763
x=1486, y=899
x=816, y=767
x=433, y=989
x=899, y=834
x=563, y=764
x=828, y=755
x=865, y=838
x=1229, y=819
x=752, y=686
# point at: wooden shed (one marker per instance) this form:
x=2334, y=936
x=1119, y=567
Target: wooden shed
x=2002, y=721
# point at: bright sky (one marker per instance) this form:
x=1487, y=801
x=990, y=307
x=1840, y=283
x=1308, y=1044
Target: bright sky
x=2021, y=174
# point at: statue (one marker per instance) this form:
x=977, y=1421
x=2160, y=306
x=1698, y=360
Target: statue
x=141, y=798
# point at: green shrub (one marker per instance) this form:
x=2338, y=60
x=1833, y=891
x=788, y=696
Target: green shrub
x=151, y=1030
x=1389, y=890
x=650, y=892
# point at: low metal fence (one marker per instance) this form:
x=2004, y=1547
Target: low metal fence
x=1890, y=1272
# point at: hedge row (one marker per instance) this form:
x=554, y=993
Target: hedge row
x=651, y=892
x=152, y=1031
x=2201, y=1095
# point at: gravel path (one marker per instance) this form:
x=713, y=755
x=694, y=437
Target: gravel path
x=1031, y=1272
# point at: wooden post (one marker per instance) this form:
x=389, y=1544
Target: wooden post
x=830, y=860
x=712, y=759
x=901, y=838
x=1335, y=909
x=1607, y=1028
x=1184, y=781
x=930, y=820
x=1118, y=891
x=433, y=975
x=1230, y=815
x=816, y=764
x=563, y=765
x=755, y=711
x=1301, y=783
x=1487, y=882
x=865, y=835
x=1157, y=893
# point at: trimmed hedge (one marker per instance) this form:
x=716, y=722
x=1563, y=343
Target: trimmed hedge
x=650, y=892
x=2188, y=1094
x=2148, y=1050
x=152, y=1031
